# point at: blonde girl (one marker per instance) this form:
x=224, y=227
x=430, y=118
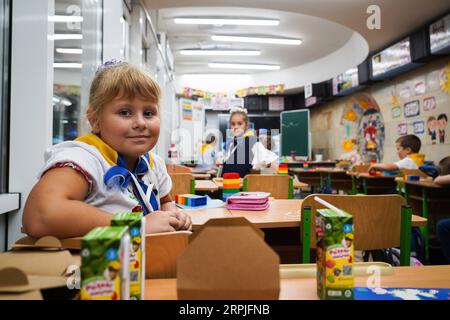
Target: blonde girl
x=111, y=170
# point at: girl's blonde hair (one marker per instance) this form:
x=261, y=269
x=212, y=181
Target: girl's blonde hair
x=242, y=112
x=121, y=81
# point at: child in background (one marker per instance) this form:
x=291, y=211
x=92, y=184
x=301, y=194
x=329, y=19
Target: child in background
x=408, y=148
x=208, y=152
x=443, y=226
x=84, y=182
x=244, y=152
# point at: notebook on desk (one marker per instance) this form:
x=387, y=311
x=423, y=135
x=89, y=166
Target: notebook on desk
x=253, y=201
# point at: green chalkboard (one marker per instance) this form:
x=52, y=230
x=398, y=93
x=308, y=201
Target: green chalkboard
x=295, y=133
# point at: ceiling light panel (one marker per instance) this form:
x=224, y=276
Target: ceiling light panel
x=209, y=52
x=228, y=21
x=220, y=65
x=283, y=41
x=69, y=50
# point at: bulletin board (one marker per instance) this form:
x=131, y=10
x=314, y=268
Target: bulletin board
x=192, y=125
x=295, y=133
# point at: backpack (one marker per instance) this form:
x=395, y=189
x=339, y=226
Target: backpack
x=392, y=255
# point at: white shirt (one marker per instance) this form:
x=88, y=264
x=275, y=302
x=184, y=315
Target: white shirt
x=262, y=156
x=406, y=163
x=113, y=200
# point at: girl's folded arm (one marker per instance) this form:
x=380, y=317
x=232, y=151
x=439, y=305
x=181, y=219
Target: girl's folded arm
x=56, y=207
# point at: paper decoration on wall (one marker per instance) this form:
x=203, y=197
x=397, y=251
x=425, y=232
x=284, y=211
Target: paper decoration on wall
x=350, y=115
x=412, y=109
x=405, y=93
x=431, y=129
x=442, y=126
x=429, y=104
x=445, y=79
x=261, y=90
x=396, y=112
x=394, y=99
x=186, y=111
x=364, y=129
x=276, y=103
x=420, y=88
x=402, y=129
x=348, y=145
x=190, y=93
x=220, y=102
x=418, y=127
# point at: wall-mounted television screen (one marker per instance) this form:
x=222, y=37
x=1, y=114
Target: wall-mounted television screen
x=347, y=80
x=440, y=35
x=394, y=57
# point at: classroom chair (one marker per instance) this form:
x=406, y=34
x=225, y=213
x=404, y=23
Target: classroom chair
x=161, y=253
x=380, y=221
x=182, y=183
x=279, y=186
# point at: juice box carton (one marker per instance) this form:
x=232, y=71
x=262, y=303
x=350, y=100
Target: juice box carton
x=335, y=251
x=135, y=221
x=105, y=264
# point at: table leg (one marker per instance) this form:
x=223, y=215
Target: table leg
x=424, y=230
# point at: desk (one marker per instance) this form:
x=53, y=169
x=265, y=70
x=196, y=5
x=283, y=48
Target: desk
x=205, y=186
x=282, y=213
x=316, y=177
x=432, y=200
x=201, y=176
x=306, y=288
x=373, y=184
x=299, y=184
x=311, y=164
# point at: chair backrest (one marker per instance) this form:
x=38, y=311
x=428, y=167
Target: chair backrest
x=360, y=168
x=279, y=186
x=161, y=253
x=181, y=184
x=376, y=218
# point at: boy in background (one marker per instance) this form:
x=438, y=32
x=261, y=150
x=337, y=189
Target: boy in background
x=408, y=148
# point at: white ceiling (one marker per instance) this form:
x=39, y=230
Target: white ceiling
x=324, y=25
x=311, y=30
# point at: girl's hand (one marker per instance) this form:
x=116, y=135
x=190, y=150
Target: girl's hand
x=161, y=221
x=185, y=221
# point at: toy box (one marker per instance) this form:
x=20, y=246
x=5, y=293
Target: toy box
x=334, y=234
x=104, y=264
x=135, y=221
x=191, y=200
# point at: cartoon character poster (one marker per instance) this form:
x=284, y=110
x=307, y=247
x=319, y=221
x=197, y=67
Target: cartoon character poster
x=441, y=127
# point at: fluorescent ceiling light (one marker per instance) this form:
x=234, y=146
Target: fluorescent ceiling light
x=295, y=42
x=192, y=52
x=66, y=18
x=67, y=65
x=228, y=21
x=67, y=36
x=243, y=66
x=69, y=50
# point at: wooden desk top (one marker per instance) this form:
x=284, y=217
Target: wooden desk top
x=201, y=176
x=280, y=214
x=306, y=288
x=205, y=185
x=366, y=175
x=299, y=184
x=316, y=170
x=423, y=183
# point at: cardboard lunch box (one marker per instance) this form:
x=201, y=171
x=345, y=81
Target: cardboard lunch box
x=38, y=268
x=228, y=259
